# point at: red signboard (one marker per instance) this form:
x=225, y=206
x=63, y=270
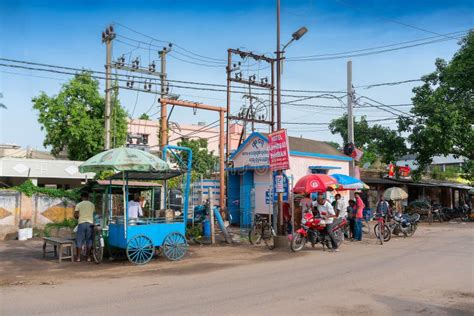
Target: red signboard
x=279, y=151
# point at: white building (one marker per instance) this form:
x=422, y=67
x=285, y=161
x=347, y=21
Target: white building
x=250, y=178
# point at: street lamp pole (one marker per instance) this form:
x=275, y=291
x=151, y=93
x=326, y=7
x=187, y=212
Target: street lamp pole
x=278, y=68
x=279, y=53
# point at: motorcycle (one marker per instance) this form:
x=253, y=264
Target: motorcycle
x=313, y=230
x=404, y=224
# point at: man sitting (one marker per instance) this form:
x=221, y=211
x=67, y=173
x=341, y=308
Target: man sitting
x=326, y=212
x=134, y=207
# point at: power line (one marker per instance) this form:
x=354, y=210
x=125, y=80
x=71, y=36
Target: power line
x=308, y=58
x=393, y=20
x=385, y=105
x=148, y=78
x=369, y=86
x=161, y=41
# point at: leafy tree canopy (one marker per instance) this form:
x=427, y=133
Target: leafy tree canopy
x=144, y=116
x=204, y=162
x=74, y=119
x=443, y=110
x=375, y=141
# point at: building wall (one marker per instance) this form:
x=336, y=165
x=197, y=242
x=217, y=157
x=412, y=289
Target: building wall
x=263, y=183
x=151, y=128
x=38, y=209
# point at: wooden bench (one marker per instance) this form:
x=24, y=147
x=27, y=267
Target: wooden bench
x=63, y=247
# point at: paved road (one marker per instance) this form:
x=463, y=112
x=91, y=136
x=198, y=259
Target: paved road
x=431, y=273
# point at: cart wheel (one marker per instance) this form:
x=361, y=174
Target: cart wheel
x=174, y=246
x=140, y=249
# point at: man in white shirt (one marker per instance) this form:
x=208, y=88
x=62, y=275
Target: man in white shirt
x=341, y=207
x=134, y=208
x=326, y=212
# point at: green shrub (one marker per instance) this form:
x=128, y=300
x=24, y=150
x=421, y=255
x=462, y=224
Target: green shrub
x=28, y=188
x=68, y=223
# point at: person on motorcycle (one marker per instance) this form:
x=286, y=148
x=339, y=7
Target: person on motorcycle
x=306, y=205
x=326, y=212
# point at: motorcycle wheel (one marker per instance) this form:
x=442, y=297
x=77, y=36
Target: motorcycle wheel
x=411, y=231
x=339, y=236
x=298, y=242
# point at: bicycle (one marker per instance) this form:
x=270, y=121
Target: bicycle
x=97, y=244
x=262, y=230
x=381, y=230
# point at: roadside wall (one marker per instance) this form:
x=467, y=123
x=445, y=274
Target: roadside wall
x=38, y=209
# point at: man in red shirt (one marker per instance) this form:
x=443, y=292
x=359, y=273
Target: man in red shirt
x=358, y=218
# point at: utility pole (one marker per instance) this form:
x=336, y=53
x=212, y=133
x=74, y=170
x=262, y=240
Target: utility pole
x=163, y=93
x=278, y=69
x=234, y=74
x=350, y=117
x=107, y=36
x=228, y=138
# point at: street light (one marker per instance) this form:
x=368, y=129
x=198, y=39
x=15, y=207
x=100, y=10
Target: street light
x=279, y=52
x=295, y=36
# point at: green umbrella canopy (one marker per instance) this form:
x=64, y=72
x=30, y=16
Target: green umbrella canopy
x=124, y=159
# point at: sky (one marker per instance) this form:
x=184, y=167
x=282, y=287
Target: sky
x=68, y=33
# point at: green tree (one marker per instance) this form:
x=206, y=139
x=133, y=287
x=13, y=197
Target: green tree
x=144, y=116
x=204, y=162
x=443, y=111
x=375, y=141
x=74, y=119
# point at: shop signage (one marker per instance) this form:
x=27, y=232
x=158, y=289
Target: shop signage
x=279, y=188
x=254, y=154
x=278, y=150
x=286, y=191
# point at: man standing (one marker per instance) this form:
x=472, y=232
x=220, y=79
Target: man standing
x=84, y=212
x=383, y=209
x=358, y=218
x=326, y=212
x=340, y=207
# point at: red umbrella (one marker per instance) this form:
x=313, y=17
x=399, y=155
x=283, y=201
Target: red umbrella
x=312, y=183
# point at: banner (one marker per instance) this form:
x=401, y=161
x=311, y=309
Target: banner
x=278, y=150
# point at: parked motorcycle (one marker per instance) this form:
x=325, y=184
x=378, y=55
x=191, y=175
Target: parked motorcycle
x=404, y=224
x=313, y=230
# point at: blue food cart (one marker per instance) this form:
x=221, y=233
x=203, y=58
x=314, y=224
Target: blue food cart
x=163, y=227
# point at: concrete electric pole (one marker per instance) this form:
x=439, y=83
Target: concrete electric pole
x=163, y=94
x=107, y=36
x=350, y=117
